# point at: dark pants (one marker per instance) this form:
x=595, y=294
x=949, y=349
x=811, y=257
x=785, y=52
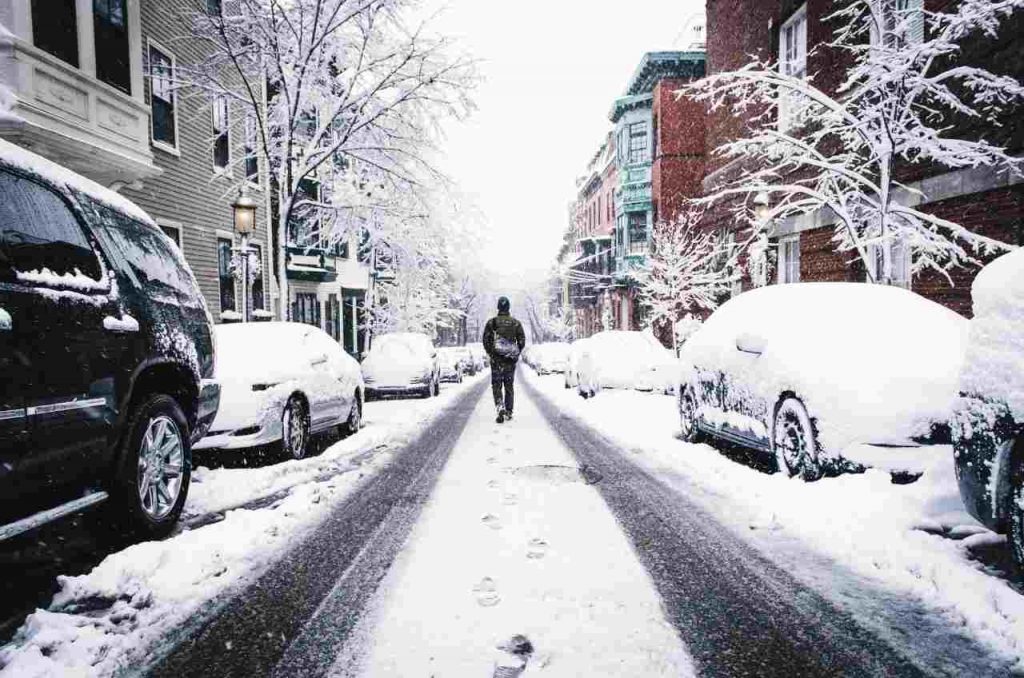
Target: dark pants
x=503, y=376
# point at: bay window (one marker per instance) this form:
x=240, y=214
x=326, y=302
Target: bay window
x=110, y=26
x=55, y=29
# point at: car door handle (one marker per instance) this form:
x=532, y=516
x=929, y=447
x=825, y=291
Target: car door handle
x=318, y=361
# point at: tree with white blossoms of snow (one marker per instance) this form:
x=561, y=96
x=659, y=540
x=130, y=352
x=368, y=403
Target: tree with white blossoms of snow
x=899, y=105
x=332, y=88
x=688, y=270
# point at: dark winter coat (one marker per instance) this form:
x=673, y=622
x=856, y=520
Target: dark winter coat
x=504, y=339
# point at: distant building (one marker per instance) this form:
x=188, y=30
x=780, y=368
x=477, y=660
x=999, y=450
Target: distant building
x=659, y=159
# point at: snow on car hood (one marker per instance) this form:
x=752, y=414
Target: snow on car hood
x=872, y=363
x=992, y=365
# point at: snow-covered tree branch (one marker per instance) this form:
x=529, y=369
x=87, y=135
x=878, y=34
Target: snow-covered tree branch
x=341, y=94
x=903, y=102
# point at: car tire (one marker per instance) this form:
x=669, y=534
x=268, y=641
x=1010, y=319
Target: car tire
x=436, y=388
x=1015, y=510
x=688, y=430
x=155, y=469
x=794, y=440
x=294, y=429
x=355, y=416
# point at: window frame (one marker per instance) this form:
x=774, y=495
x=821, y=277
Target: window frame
x=175, y=226
x=156, y=143
x=902, y=263
x=96, y=19
x=221, y=277
x=632, y=151
x=788, y=265
x=786, y=105
x=75, y=53
x=251, y=179
x=226, y=168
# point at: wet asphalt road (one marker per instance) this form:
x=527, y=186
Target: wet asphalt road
x=312, y=598
x=737, y=612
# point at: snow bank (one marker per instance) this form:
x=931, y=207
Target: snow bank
x=30, y=162
x=859, y=524
x=993, y=364
x=872, y=363
x=107, y=621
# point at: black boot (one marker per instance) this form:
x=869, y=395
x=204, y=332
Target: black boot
x=501, y=416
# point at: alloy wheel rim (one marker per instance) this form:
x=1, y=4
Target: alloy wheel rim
x=688, y=411
x=355, y=417
x=293, y=429
x=161, y=466
x=792, y=440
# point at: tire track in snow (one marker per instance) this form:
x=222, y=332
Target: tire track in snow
x=737, y=613
x=340, y=563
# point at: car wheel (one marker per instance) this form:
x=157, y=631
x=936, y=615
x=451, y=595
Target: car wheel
x=794, y=441
x=156, y=467
x=295, y=429
x=355, y=416
x=1016, y=508
x=688, y=429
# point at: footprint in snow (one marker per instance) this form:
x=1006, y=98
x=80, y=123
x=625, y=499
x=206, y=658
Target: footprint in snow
x=510, y=499
x=487, y=593
x=492, y=521
x=493, y=484
x=492, y=460
x=536, y=549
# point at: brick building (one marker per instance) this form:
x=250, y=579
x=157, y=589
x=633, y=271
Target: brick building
x=660, y=161
x=795, y=33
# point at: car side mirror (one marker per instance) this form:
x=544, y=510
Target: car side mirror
x=748, y=342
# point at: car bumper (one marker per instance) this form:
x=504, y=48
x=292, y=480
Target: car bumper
x=206, y=410
x=264, y=434
x=383, y=391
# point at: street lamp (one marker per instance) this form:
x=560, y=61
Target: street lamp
x=762, y=207
x=244, y=212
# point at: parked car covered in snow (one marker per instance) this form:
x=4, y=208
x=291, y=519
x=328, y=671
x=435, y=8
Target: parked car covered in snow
x=572, y=362
x=547, y=358
x=282, y=382
x=988, y=420
x=619, y=359
x=452, y=363
x=106, y=355
x=402, y=363
x=821, y=374
x=480, y=359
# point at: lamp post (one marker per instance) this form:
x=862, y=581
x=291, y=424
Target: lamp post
x=244, y=212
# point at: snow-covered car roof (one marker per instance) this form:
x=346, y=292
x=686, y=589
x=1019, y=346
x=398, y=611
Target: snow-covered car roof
x=413, y=340
x=994, y=360
x=260, y=349
x=20, y=158
x=873, y=363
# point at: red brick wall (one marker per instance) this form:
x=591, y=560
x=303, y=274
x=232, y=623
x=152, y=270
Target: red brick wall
x=678, y=167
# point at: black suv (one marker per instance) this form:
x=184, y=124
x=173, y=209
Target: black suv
x=106, y=355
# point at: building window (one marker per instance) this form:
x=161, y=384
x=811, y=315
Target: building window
x=899, y=255
x=55, y=29
x=252, y=165
x=637, y=226
x=334, y=316
x=213, y=7
x=256, y=289
x=904, y=24
x=789, y=260
x=637, y=143
x=110, y=24
x=306, y=309
x=304, y=224
x=172, y=232
x=227, y=281
x=221, y=134
x=792, y=62
x=162, y=97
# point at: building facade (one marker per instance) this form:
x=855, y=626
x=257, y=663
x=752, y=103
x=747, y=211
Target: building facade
x=796, y=35
x=659, y=163
x=91, y=86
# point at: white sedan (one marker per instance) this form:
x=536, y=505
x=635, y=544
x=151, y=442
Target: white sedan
x=817, y=375
x=282, y=381
x=619, y=359
x=402, y=363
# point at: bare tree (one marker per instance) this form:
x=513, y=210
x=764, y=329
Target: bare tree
x=335, y=88
x=900, y=103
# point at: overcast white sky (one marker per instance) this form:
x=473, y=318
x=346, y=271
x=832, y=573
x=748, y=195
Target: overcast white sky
x=551, y=70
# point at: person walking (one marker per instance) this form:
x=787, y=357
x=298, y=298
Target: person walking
x=504, y=341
